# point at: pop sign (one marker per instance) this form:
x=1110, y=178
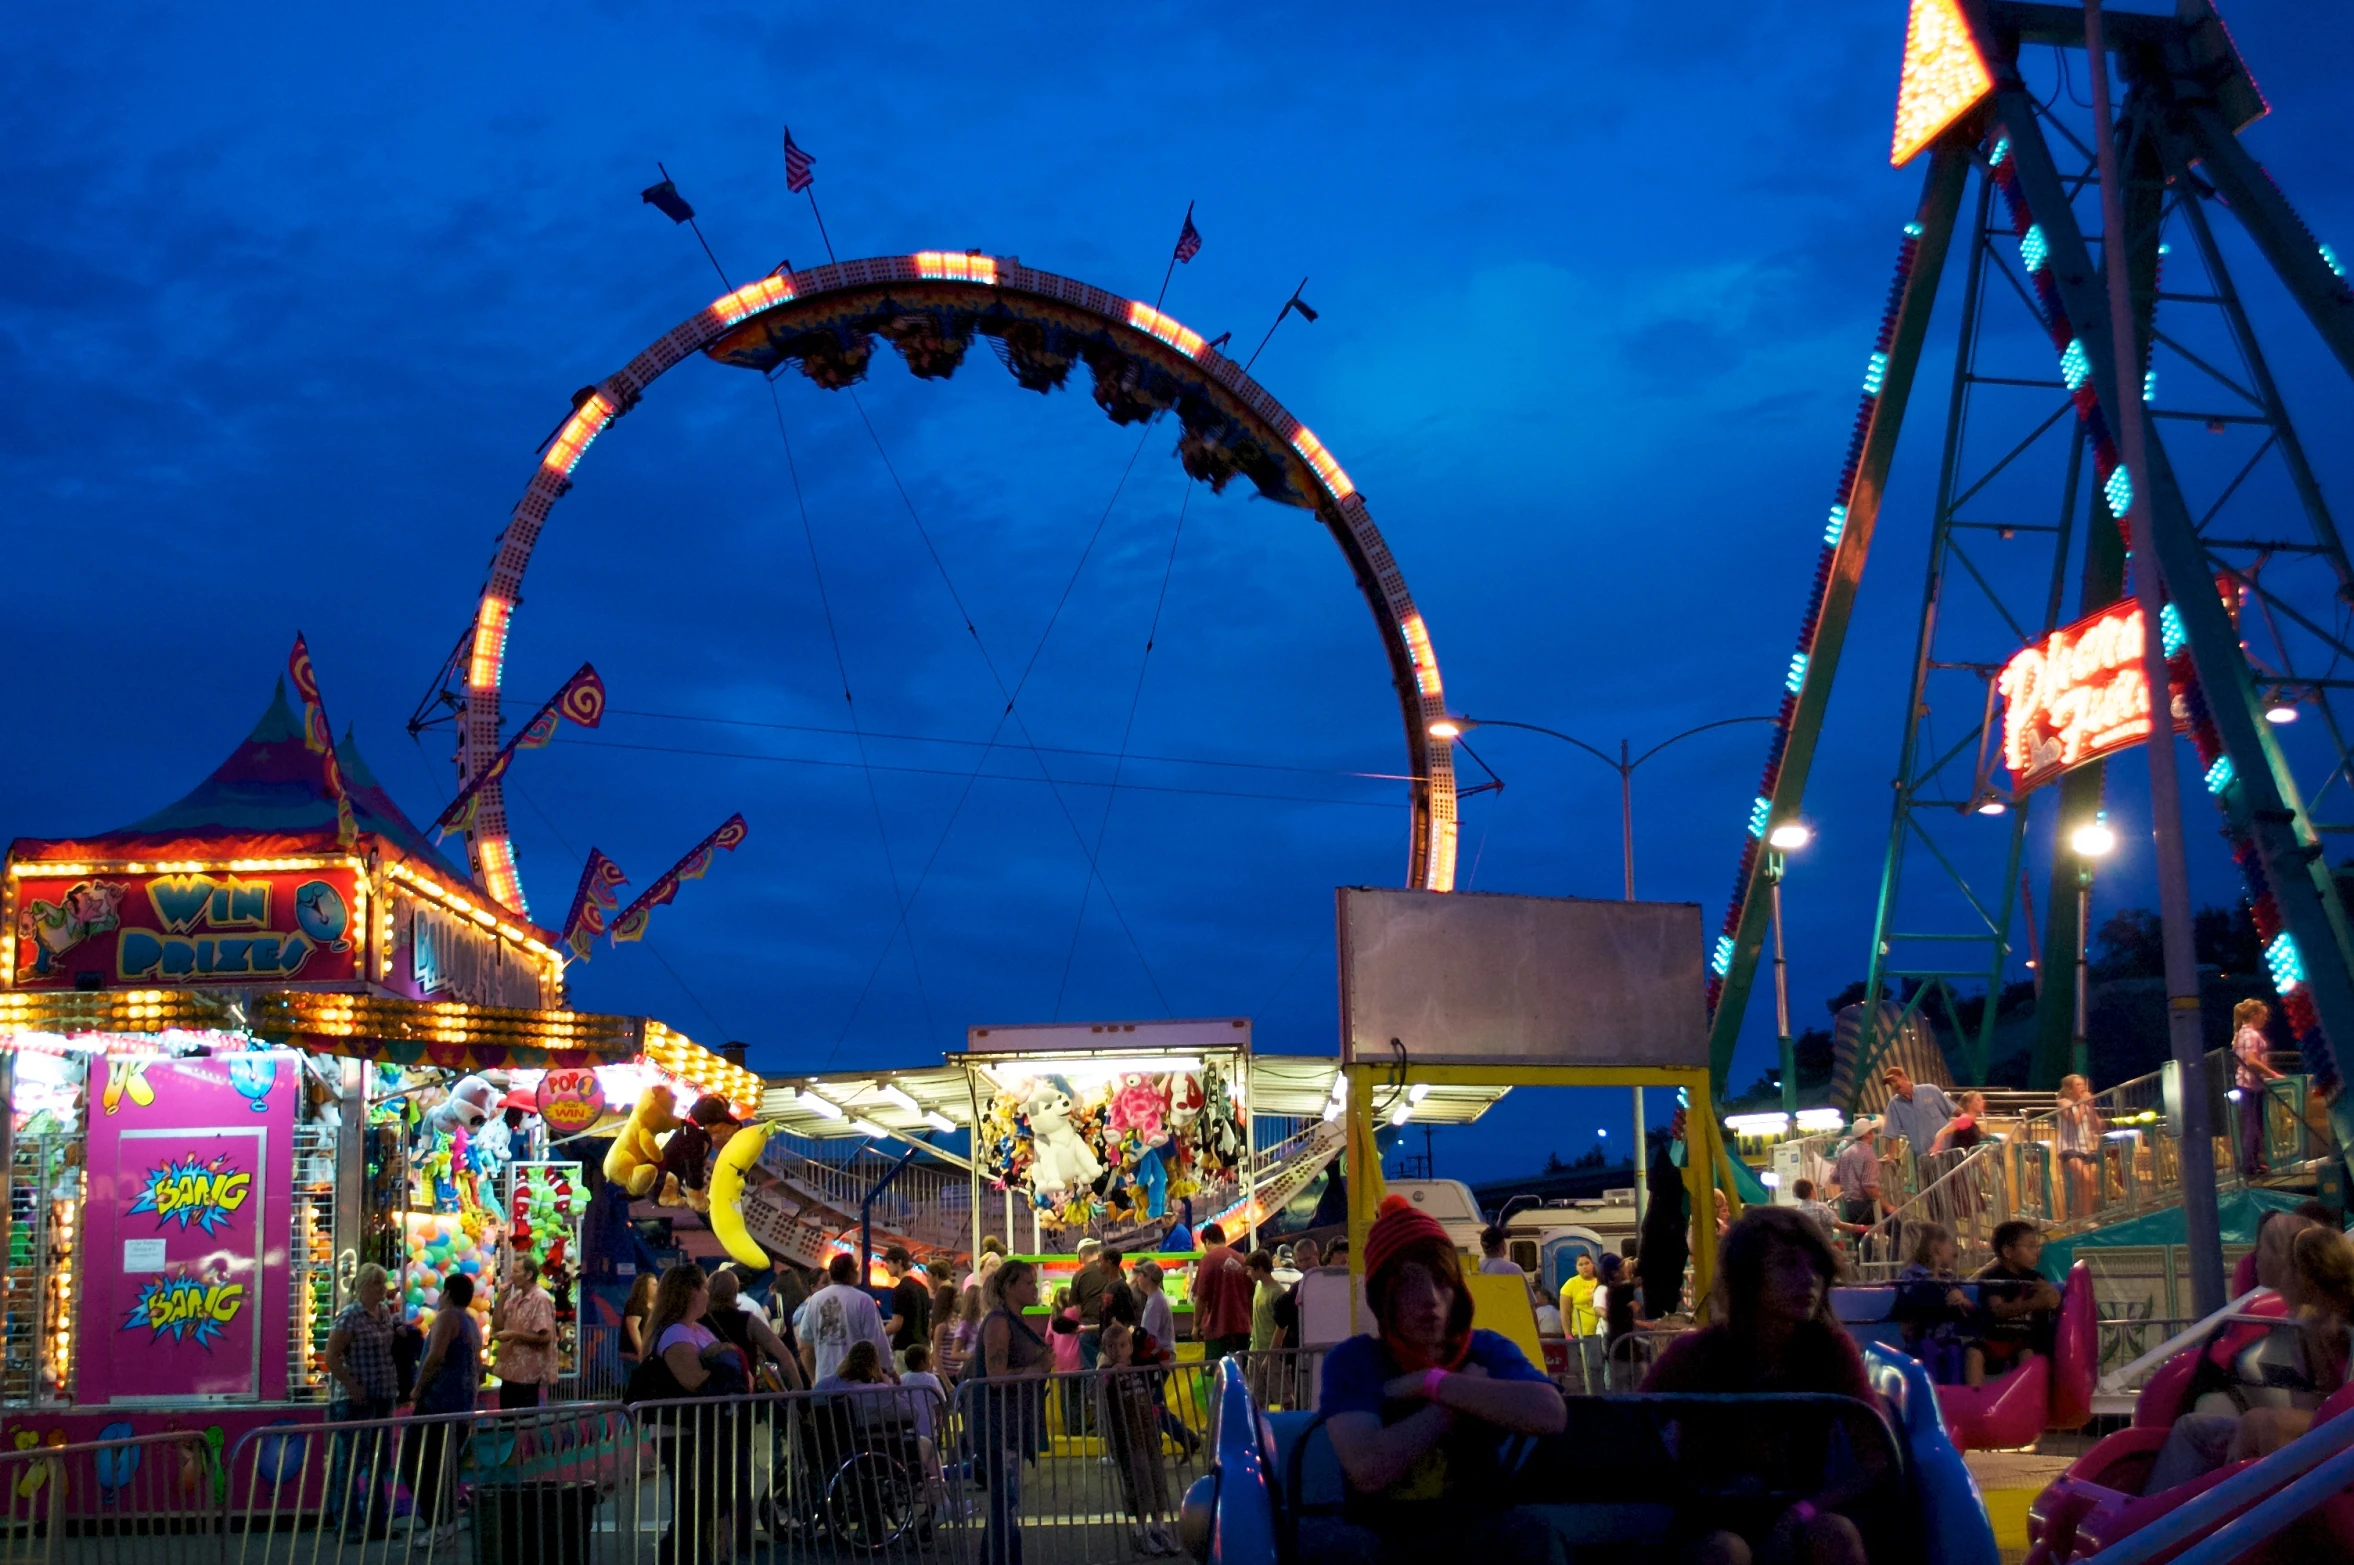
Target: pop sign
x=570, y=1101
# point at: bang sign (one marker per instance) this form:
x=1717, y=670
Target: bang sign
x=186, y=1308
x=188, y=1191
x=2075, y=696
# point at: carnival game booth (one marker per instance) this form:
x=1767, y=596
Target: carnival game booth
x=249, y=1042
x=1103, y=1130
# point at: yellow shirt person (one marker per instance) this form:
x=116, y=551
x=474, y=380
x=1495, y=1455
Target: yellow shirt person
x=1578, y=1315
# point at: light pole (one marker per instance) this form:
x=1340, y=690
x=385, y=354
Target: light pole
x=1784, y=840
x=1453, y=728
x=2092, y=842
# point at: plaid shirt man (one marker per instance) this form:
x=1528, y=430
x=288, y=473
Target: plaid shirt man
x=369, y=1355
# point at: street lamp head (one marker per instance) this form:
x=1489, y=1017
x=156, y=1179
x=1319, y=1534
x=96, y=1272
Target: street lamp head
x=2093, y=841
x=1790, y=836
x=2282, y=708
x=1451, y=727
x=1990, y=805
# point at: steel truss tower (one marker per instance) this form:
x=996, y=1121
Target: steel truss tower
x=2023, y=539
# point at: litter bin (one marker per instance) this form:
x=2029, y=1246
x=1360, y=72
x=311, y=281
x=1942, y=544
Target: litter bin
x=534, y=1523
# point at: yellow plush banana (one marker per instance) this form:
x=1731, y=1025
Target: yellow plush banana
x=727, y=1194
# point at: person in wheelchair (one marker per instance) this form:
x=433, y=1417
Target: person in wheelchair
x=862, y=1456
x=1419, y=1412
x=1772, y=1331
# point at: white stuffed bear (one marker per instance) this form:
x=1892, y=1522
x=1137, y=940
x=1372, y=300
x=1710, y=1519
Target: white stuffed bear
x=1059, y=1158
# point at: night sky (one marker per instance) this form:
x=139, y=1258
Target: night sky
x=287, y=301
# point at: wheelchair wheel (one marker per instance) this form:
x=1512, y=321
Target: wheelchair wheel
x=871, y=1502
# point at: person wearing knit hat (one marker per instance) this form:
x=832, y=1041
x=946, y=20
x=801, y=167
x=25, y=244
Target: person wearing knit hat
x=1419, y=1409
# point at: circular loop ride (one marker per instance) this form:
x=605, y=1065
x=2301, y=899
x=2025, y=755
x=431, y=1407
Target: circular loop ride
x=930, y=306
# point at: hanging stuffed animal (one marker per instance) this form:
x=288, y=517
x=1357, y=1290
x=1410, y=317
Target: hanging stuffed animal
x=1152, y=1179
x=1139, y=1106
x=1185, y=1103
x=1217, y=1139
x=1059, y=1156
x=634, y=1161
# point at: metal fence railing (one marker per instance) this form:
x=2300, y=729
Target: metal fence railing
x=147, y=1500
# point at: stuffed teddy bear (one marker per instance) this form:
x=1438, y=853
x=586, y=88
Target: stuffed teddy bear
x=635, y=1159
x=1139, y=1106
x=1059, y=1157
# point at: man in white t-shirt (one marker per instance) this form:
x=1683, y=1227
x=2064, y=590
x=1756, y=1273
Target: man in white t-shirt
x=834, y=1317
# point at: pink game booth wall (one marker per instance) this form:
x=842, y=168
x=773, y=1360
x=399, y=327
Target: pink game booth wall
x=184, y=1309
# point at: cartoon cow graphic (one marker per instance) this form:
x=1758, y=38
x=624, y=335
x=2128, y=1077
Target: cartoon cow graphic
x=53, y=928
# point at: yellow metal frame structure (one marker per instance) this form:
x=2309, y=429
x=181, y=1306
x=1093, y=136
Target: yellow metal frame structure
x=1706, y=1168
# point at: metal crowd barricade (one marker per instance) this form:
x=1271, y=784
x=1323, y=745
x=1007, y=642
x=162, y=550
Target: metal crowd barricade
x=142, y=1500
x=1085, y=1467
x=533, y=1487
x=1283, y=1379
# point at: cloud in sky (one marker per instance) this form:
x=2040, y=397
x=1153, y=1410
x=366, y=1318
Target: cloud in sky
x=288, y=297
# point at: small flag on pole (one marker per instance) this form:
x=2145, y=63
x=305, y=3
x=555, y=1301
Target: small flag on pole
x=664, y=198
x=1301, y=305
x=1189, y=238
x=797, y=165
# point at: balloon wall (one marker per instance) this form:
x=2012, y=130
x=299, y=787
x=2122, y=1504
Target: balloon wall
x=442, y=1245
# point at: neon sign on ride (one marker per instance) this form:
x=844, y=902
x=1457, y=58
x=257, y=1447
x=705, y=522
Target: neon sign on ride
x=2075, y=696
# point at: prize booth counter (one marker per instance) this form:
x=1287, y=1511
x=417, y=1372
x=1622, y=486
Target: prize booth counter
x=188, y=1205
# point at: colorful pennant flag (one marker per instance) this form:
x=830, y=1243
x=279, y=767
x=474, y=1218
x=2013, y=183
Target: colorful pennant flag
x=601, y=881
x=582, y=700
x=797, y=165
x=319, y=738
x=631, y=925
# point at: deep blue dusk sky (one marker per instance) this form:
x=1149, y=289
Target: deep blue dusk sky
x=287, y=300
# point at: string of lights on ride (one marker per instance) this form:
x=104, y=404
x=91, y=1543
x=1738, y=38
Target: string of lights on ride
x=1761, y=808
x=2282, y=958
x=494, y=851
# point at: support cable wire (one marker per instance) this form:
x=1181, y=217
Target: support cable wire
x=1044, y=749
x=427, y=762
x=850, y=705
x=1008, y=714
x=984, y=776
x=651, y=949
x=1127, y=729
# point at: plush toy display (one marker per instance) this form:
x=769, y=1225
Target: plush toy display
x=635, y=1160
x=1117, y=1149
x=1059, y=1157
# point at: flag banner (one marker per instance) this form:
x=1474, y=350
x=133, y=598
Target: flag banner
x=601, y=881
x=797, y=165
x=1189, y=239
x=665, y=199
x=631, y=925
x=319, y=738
x=582, y=700
x=1307, y=311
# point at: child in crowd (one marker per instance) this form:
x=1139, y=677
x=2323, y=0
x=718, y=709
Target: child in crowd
x=1132, y=1422
x=1772, y=1330
x=1062, y=1340
x=926, y=1401
x=2017, y=1305
x=1930, y=1306
x=2079, y=1135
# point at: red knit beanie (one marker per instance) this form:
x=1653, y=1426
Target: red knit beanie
x=1400, y=1230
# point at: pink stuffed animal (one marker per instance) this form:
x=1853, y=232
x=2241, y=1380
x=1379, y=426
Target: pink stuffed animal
x=1140, y=1106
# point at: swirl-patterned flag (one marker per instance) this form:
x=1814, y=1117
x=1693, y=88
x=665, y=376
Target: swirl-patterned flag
x=601, y=881
x=582, y=700
x=631, y=925
x=319, y=738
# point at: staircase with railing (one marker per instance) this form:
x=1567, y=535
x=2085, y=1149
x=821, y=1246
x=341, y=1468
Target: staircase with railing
x=2135, y=1171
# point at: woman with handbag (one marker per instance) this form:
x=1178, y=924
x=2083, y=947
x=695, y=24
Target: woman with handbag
x=685, y=1359
x=1005, y=1379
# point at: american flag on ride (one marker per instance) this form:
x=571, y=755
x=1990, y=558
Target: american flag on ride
x=797, y=165
x=1189, y=238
